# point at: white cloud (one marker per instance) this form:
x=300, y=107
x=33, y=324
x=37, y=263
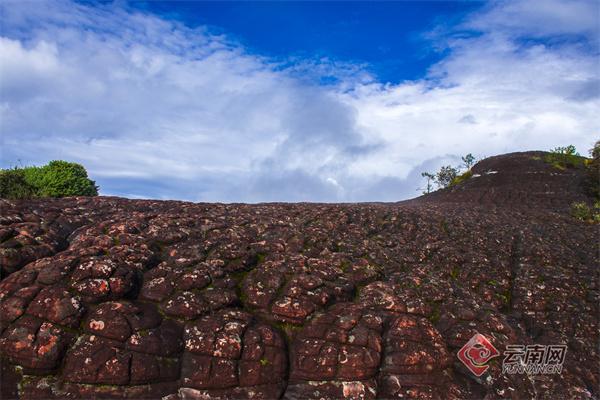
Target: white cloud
x=540, y=18
x=522, y=98
x=154, y=108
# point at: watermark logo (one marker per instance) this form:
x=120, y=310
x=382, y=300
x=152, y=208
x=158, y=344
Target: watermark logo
x=476, y=353
x=518, y=359
x=534, y=359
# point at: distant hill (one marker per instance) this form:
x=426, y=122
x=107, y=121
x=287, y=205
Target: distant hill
x=518, y=180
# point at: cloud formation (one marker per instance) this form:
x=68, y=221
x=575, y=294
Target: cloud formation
x=154, y=108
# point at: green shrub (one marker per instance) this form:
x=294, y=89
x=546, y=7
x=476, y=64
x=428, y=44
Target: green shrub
x=569, y=150
x=446, y=175
x=14, y=186
x=593, y=166
x=56, y=179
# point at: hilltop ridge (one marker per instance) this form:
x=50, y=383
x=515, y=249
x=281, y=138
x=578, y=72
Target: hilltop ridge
x=522, y=179
x=117, y=298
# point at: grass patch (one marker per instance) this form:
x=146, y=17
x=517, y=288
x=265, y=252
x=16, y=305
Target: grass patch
x=454, y=272
x=461, y=178
x=583, y=212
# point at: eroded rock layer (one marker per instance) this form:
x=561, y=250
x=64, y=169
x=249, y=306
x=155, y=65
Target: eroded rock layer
x=114, y=298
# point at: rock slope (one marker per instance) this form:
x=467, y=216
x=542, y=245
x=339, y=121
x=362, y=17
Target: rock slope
x=114, y=298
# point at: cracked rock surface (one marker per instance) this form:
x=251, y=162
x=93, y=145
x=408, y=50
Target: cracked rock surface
x=113, y=298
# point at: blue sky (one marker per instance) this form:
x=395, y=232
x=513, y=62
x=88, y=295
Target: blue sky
x=306, y=101
x=386, y=37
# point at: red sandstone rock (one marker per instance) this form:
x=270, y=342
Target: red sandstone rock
x=114, y=298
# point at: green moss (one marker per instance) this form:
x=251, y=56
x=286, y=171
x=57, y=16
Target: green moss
x=288, y=329
x=444, y=226
x=143, y=332
x=435, y=313
x=344, y=265
x=169, y=361
x=454, y=272
x=260, y=258
x=28, y=379
x=264, y=362
x=38, y=381
x=240, y=276
x=505, y=297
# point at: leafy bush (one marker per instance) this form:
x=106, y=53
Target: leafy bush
x=56, y=179
x=446, y=175
x=568, y=150
x=14, y=186
x=593, y=180
x=564, y=157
